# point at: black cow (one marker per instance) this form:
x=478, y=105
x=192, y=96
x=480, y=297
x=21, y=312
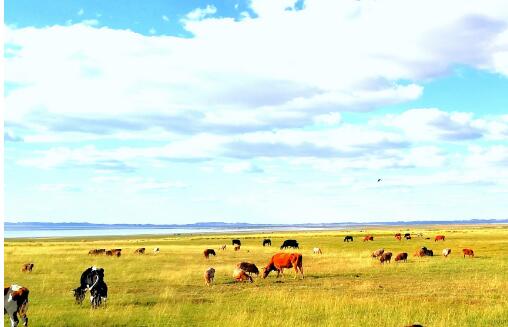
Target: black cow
x=267, y=242
x=92, y=279
x=236, y=242
x=407, y=236
x=348, y=238
x=289, y=244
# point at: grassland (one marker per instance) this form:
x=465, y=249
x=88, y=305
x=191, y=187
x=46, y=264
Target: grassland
x=342, y=287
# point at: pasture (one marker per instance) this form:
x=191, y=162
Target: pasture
x=343, y=286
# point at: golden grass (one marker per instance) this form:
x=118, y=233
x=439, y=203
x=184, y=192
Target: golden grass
x=342, y=287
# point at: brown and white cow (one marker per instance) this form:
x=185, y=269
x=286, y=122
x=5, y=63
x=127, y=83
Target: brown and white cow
x=27, y=267
x=237, y=247
x=240, y=275
x=16, y=302
x=114, y=252
x=378, y=253
x=209, y=276
x=140, y=251
x=398, y=236
x=156, y=250
x=387, y=256
x=281, y=261
x=401, y=257
x=446, y=252
x=208, y=252
x=468, y=252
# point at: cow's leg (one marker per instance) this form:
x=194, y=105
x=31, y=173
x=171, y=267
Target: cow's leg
x=14, y=318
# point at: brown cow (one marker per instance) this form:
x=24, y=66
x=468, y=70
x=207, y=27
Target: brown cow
x=209, y=252
x=378, y=253
x=114, y=252
x=439, y=238
x=280, y=261
x=401, y=257
x=109, y=253
x=27, y=267
x=424, y=252
x=248, y=267
x=468, y=252
x=140, y=251
x=398, y=236
x=368, y=238
x=16, y=302
x=240, y=275
x=387, y=256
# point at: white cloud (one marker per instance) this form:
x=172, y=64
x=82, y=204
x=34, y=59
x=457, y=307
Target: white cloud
x=165, y=18
x=200, y=13
x=80, y=12
x=241, y=167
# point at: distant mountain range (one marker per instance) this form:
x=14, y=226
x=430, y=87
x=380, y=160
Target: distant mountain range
x=10, y=226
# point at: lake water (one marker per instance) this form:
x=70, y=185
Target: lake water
x=44, y=233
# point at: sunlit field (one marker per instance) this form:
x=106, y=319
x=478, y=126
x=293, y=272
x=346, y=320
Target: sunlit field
x=342, y=287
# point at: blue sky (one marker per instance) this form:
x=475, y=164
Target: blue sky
x=255, y=111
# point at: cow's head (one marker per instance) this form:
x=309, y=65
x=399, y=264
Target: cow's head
x=267, y=270
x=79, y=294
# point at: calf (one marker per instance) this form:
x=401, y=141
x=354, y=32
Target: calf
x=209, y=276
x=446, y=252
x=348, y=238
x=468, y=252
x=16, y=302
x=368, y=238
x=240, y=275
x=401, y=257
x=156, y=250
x=27, y=267
x=140, y=251
x=378, y=253
x=387, y=256
x=317, y=251
x=250, y=268
x=222, y=247
x=267, y=242
x=208, y=252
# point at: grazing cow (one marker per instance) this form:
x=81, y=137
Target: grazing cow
x=398, y=237
x=387, y=256
x=140, y=251
x=27, y=267
x=378, y=253
x=92, y=279
x=96, y=251
x=267, y=242
x=209, y=252
x=249, y=268
x=280, y=261
x=237, y=247
x=209, y=276
x=222, y=247
x=468, y=252
x=234, y=242
x=401, y=257
x=16, y=302
x=348, y=238
x=114, y=252
x=368, y=238
x=424, y=252
x=317, y=251
x=407, y=236
x=439, y=238
x=240, y=275
x=109, y=253
x=446, y=252
x=289, y=244
x=156, y=250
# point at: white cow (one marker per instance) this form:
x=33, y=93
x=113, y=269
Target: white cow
x=156, y=250
x=446, y=252
x=16, y=302
x=317, y=251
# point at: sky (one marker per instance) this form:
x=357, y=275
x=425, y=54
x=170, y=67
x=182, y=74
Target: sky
x=255, y=111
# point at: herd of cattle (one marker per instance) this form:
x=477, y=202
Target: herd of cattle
x=92, y=279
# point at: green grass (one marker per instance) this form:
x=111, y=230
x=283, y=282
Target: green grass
x=342, y=287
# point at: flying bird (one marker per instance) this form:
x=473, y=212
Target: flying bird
x=379, y=180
